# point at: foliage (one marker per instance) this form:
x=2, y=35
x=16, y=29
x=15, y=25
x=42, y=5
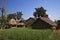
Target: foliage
x=27, y=34
x=19, y=15
x=40, y=12
x=10, y=16
x=3, y=21
x=57, y=21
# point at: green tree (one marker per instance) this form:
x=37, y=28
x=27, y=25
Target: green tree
x=10, y=16
x=40, y=12
x=3, y=18
x=19, y=15
x=58, y=23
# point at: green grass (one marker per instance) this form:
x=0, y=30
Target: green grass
x=27, y=34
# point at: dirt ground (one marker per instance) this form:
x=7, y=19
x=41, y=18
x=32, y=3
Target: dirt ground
x=57, y=31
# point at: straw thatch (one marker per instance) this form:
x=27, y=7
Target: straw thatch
x=43, y=23
x=48, y=21
x=15, y=23
x=12, y=22
x=20, y=24
x=29, y=21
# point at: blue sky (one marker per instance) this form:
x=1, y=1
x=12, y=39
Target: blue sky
x=27, y=7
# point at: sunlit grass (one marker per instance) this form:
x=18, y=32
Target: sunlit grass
x=27, y=34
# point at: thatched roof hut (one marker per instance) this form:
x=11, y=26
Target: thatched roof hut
x=29, y=21
x=20, y=22
x=43, y=23
x=12, y=22
x=15, y=23
x=48, y=21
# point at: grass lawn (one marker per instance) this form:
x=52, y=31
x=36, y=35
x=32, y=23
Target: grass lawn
x=27, y=34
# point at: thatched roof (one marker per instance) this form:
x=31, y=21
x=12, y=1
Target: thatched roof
x=30, y=21
x=20, y=24
x=13, y=22
x=48, y=21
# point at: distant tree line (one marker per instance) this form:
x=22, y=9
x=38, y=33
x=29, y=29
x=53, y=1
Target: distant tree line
x=39, y=12
x=17, y=15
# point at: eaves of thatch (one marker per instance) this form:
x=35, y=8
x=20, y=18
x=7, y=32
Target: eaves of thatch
x=47, y=20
